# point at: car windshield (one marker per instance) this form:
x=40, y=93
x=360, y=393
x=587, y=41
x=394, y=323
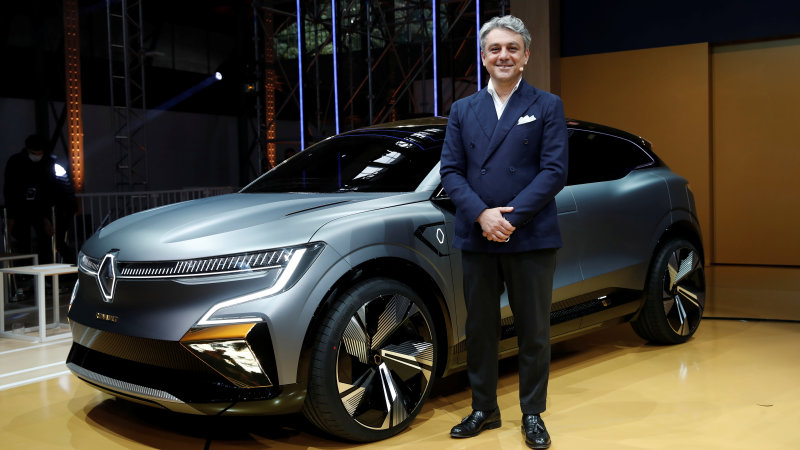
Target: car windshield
x=373, y=160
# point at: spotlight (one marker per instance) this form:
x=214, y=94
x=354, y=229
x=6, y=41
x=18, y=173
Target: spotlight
x=218, y=76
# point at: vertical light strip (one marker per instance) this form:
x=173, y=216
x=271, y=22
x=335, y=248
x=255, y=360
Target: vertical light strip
x=300, y=77
x=335, y=68
x=72, y=59
x=369, y=58
x=478, y=40
x=434, y=18
x=269, y=89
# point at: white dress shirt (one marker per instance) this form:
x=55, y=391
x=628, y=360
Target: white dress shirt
x=499, y=105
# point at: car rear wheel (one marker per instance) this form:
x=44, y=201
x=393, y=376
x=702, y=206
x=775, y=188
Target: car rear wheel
x=675, y=295
x=373, y=362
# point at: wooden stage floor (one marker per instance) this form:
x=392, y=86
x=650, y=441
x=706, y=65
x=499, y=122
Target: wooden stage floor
x=735, y=384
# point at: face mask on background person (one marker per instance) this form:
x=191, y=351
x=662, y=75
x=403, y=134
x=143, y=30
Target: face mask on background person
x=35, y=157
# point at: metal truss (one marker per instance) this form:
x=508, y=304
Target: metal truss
x=126, y=70
x=384, y=51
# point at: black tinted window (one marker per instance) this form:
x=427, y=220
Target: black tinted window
x=367, y=161
x=597, y=157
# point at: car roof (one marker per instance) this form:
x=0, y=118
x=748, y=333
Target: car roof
x=591, y=126
x=416, y=124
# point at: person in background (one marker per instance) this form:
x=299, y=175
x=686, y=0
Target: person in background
x=35, y=184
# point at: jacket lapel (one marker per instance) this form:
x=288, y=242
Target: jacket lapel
x=482, y=107
x=519, y=102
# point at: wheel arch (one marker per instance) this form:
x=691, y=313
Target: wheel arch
x=395, y=268
x=684, y=228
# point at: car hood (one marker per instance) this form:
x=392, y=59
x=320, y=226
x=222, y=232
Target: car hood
x=230, y=224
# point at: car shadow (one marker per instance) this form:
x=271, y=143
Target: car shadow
x=450, y=396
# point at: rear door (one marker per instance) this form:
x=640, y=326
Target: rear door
x=621, y=199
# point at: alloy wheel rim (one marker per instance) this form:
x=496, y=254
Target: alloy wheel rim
x=684, y=291
x=384, y=362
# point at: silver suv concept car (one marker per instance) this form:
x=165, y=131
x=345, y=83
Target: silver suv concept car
x=329, y=285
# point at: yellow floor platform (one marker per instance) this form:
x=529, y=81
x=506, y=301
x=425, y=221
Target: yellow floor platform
x=735, y=384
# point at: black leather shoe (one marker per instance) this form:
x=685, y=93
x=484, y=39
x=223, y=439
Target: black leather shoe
x=536, y=435
x=476, y=422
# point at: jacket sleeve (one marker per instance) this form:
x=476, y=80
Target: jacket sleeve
x=552, y=168
x=453, y=169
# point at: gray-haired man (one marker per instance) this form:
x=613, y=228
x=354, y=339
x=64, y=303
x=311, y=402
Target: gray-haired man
x=503, y=161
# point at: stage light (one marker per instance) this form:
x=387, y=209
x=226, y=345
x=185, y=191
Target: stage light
x=218, y=76
x=59, y=170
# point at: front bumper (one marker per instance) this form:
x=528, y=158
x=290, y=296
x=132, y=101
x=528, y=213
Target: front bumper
x=194, y=375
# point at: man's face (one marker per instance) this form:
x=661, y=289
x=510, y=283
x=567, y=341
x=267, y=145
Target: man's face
x=35, y=154
x=504, y=55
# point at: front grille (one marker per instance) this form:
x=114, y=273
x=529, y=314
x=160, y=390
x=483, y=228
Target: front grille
x=160, y=383
x=158, y=370
x=153, y=352
x=247, y=262
x=206, y=266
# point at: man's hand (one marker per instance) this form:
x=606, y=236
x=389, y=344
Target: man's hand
x=495, y=227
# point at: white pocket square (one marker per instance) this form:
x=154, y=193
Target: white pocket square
x=525, y=119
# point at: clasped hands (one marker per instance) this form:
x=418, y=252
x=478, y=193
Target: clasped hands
x=495, y=227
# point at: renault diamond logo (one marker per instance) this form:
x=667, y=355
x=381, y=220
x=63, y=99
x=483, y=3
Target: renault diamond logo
x=107, y=276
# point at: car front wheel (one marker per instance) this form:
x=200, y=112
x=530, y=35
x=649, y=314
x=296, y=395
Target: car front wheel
x=373, y=362
x=675, y=295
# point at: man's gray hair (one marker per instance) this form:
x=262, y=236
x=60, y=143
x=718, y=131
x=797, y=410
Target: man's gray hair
x=510, y=22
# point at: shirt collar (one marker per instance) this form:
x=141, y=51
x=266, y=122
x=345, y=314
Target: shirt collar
x=490, y=87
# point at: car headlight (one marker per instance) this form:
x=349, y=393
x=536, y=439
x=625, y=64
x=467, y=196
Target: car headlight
x=291, y=264
x=88, y=265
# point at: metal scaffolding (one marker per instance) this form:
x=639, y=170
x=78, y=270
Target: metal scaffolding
x=387, y=49
x=126, y=72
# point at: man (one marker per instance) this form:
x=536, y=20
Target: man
x=504, y=159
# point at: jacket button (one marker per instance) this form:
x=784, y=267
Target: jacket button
x=483, y=171
x=472, y=144
x=525, y=142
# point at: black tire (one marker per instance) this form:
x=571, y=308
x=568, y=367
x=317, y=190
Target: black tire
x=373, y=362
x=675, y=295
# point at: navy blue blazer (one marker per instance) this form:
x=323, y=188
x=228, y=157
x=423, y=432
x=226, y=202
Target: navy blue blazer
x=519, y=160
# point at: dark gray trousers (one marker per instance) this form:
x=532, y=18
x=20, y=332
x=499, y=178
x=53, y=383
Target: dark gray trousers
x=528, y=276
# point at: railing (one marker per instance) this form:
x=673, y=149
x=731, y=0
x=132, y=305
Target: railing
x=97, y=210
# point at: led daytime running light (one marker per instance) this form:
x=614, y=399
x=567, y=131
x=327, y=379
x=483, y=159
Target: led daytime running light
x=279, y=285
x=245, y=262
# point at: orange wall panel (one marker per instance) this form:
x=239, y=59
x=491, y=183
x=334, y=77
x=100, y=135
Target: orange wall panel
x=756, y=176
x=661, y=94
